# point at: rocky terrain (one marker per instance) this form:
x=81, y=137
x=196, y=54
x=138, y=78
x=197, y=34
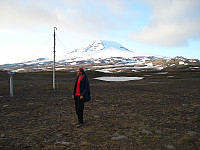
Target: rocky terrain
x=108, y=65
x=159, y=112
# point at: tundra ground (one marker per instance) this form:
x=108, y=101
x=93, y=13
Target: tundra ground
x=161, y=111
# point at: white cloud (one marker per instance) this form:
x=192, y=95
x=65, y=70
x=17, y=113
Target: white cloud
x=25, y=24
x=173, y=23
x=18, y=17
x=75, y=16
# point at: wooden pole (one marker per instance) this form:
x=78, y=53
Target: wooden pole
x=54, y=59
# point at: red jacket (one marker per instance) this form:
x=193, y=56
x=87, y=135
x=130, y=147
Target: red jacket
x=84, y=88
x=78, y=92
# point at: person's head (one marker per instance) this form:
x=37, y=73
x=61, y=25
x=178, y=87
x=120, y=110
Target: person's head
x=80, y=71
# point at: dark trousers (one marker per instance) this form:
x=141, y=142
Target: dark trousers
x=79, y=107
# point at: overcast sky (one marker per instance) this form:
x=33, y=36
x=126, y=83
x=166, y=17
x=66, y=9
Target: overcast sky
x=161, y=27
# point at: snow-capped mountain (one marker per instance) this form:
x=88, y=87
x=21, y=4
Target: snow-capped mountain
x=101, y=49
x=105, y=56
x=102, y=45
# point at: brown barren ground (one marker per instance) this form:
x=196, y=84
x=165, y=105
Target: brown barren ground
x=156, y=113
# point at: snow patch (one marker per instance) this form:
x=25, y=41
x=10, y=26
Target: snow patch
x=162, y=73
x=181, y=63
x=118, y=78
x=194, y=67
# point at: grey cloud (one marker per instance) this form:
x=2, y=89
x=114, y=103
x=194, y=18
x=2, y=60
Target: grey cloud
x=17, y=16
x=73, y=16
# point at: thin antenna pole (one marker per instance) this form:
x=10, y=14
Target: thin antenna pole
x=11, y=82
x=54, y=59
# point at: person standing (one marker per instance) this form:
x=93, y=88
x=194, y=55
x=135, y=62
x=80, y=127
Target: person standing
x=81, y=93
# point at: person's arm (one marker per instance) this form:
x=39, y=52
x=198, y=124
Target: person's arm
x=86, y=89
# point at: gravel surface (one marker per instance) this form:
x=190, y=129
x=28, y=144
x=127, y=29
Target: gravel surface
x=161, y=111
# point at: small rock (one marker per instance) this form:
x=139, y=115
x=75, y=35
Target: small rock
x=96, y=116
x=146, y=131
x=30, y=104
x=192, y=133
x=170, y=146
x=3, y=135
x=58, y=135
x=158, y=131
x=115, y=134
x=64, y=143
x=120, y=138
x=5, y=106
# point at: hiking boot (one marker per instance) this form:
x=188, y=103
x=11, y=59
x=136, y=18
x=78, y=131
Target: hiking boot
x=79, y=125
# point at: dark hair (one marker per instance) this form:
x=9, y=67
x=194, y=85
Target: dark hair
x=81, y=70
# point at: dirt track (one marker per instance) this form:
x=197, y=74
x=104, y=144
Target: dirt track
x=158, y=112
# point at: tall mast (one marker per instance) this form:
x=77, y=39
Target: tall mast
x=54, y=59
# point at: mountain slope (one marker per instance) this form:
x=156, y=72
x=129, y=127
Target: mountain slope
x=105, y=56
x=99, y=45
x=103, y=49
